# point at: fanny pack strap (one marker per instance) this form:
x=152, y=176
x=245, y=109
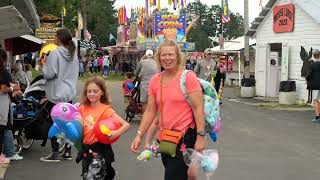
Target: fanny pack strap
x=161, y=104
x=161, y=107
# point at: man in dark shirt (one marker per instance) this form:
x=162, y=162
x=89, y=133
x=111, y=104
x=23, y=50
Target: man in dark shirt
x=316, y=56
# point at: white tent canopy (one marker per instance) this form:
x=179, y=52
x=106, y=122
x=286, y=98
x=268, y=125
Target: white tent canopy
x=234, y=45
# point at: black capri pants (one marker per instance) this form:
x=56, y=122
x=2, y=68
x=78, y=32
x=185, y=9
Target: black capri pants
x=175, y=168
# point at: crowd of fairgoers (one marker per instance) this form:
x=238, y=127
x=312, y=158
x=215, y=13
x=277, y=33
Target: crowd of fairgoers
x=39, y=100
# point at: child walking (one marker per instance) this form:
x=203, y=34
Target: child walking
x=96, y=156
x=116, y=69
x=81, y=67
x=126, y=90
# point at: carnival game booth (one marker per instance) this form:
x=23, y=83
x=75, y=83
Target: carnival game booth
x=125, y=55
x=281, y=30
x=232, y=55
x=146, y=29
x=126, y=51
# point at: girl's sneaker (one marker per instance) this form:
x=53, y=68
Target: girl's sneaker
x=53, y=157
x=67, y=156
x=4, y=160
x=15, y=157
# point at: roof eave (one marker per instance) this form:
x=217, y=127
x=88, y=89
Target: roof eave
x=259, y=20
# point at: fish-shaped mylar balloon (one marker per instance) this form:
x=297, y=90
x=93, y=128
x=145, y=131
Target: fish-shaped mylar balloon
x=67, y=123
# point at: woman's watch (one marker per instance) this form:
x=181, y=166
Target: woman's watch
x=201, y=133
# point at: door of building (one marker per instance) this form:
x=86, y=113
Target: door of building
x=273, y=74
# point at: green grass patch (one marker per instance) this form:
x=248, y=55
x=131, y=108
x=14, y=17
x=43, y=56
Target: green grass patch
x=87, y=75
x=276, y=105
x=111, y=77
x=36, y=73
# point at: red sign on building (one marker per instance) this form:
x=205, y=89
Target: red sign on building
x=283, y=18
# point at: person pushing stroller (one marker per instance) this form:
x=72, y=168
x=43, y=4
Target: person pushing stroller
x=146, y=68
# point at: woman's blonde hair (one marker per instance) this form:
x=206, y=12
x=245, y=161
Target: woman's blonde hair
x=102, y=85
x=170, y=43
x=28, y=67
x=18, y=67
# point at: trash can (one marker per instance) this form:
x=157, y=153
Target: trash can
x=248, y=87
x=287, y=92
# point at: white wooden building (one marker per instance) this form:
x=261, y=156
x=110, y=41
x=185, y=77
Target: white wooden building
x=280, y=30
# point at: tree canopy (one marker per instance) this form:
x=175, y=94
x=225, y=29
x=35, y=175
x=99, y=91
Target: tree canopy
x=100, y=15
x=209, y=24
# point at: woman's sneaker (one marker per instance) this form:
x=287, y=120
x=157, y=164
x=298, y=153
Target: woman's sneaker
x=4, y=160
x=53, y=157
x=15, y=157
x=316, y=120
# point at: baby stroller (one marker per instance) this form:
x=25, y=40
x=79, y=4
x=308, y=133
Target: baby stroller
x=135, y=105
x=31, y=121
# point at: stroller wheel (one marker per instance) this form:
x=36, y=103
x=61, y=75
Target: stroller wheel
x=130, y=113
x=62, y=145
x=27, y=143
x=18, y=143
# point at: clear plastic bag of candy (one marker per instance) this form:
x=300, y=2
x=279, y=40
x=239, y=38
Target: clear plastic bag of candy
x=207, y=160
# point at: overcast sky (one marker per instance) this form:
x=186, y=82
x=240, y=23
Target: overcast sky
x=235, y=5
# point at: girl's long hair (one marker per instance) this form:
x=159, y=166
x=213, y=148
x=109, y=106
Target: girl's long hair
x=65, y=38
x=102, y=85
x=3, y=59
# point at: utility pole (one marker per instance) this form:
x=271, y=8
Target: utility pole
x=246, y=40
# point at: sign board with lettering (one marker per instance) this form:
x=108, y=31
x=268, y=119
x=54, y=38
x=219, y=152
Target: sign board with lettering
x=283, y=18
x=171, y=27
x=48, y=28
x=46, y=33
x=151, y=45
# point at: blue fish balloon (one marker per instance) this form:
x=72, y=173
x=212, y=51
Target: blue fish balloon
x=67, y=123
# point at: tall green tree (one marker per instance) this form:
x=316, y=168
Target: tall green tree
x=209, y=24
x=53, y=7
x=102, y=20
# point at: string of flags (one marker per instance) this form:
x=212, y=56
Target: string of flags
x=122, y=15
x=122, y=11
x=176, y=3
